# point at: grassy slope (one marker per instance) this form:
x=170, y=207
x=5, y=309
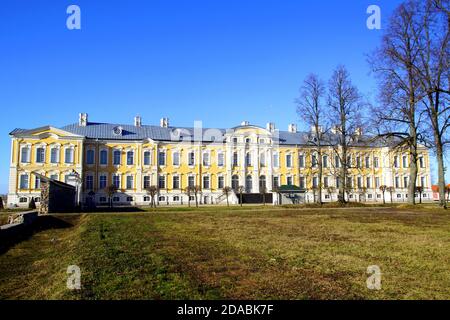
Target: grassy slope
x=238, y=253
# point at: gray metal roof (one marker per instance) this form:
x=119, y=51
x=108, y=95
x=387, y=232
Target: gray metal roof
x=105, y=131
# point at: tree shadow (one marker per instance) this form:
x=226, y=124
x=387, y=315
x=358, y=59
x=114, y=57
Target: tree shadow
x=24, y=232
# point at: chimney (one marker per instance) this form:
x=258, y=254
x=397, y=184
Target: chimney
x=270, y=126
x=245, y=123
x=138, y=121
x=164, y=122
x=83, y=119
x=313, y=129
x=292, y=128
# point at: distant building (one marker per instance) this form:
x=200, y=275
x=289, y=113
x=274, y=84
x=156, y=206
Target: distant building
x=134, y=157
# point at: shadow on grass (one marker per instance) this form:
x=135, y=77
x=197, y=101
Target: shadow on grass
x=24, y=233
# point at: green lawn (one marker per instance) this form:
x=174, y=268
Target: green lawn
x=236, y=253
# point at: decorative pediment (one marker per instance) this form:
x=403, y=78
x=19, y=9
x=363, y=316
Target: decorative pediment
x=46, y=132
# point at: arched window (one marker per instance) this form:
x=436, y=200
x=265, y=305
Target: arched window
x=248, y=159
x=262, y=159
x=262, y=182
x=235, y=182
x=130, y=158
x=90, y=157
x=248, y=184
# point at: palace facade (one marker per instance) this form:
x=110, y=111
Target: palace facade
x=133, y=157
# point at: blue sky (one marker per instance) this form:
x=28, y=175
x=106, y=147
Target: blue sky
x=219, y=61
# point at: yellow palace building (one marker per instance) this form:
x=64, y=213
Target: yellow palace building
x=135, y=156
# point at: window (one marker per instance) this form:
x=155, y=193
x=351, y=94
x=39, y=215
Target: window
x=40, y=155
x=376, y=162
x=176, y=158
x=423, y=182
x=359, y=182
x=235, y=182
x=301, y=161
x=147, y=158
x=130, y=199
x=315, y=182
x=302, y=183
x=103, y=157
x=289, y=181
x=248, y=184
x=162, y=158
x=130, y=182
x=206, y=159
x=338, y=182
x=206, y=182
x=116, y=181
x=405, y=162
x=325, y=161
x=54, y=155
x=276, y=182
x=191, y=158
x=117, y=157
x=54, y=176
x=220, y=159
x=367, y=162
x=262, y=160
x=396, y=162
x=162, y=198
x=37, y=182
x=276, y=160
x=161, y=182
x=368, y=182
x=191, y=181
x=358, y=162
x=349, y=182
x=176, y=198
x=25, y=155
x=146, y=199
x=103, y=199
x=103, y=182
x=248, y=140
x=421, y=162
x=235, y=159
x=325, y=182
x=146, y=182
x=377, y=182
x=397, y=182
x=337, y=162
x=24, y=181
x=116, y=199
x=405, y=182
x=288, y=160
x=314, y=160
x=175, y=182
x=248, y=159
x=235, y=140
x=90, y=155
x=220, y=183
x=69, y=156
x=130, y=158
x=23, y=200
x=89, y=182
x=262, y=183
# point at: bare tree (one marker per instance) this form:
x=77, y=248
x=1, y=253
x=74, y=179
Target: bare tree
x=311, y=109
x=391, y=191
x=152, y=192
x=241, y=190
x=383, y=190
x=420, y=190
x=111, y=191
x=196, y=190
x=189, y=190
x=398, y=118
x=345, y=107
x=433, y=73
x=226, y=191
x=263, y=191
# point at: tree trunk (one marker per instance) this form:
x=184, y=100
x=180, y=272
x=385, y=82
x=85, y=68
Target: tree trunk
x=441, y=175
x=412, y=170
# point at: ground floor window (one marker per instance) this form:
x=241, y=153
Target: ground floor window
x=176, y=198
x=129, y=199
x=23, y=200
x=146, y=199
x=116, y=199
x=162, y=198
x=102, y=199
